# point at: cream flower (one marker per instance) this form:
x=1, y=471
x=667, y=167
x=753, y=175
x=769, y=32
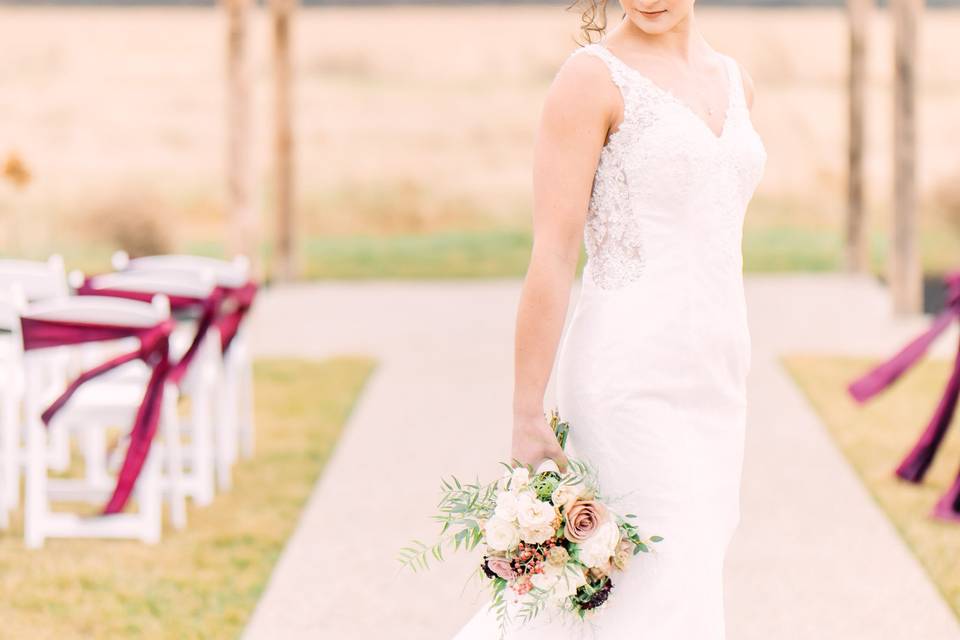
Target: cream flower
x=533, y=513
x=506, y=508
x=597, y=549
x=566, y=494
x=536, y=535
x=501, y=534
x=568, y=583
x=557, y=556
x=520, y=479
x=547, y=579
x=623, y=553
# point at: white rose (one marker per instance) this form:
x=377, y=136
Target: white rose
x=520, y=479
x=547, y=579
x=566, y=494
x=568, y=582
x=506, y=505
x=597, y=549
x=533, y=513
x=501, y=534
x=536, y=535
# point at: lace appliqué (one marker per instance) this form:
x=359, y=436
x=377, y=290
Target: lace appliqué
x=611, y=235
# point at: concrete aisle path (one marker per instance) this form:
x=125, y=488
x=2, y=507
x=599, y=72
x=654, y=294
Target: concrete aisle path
x=814, y=557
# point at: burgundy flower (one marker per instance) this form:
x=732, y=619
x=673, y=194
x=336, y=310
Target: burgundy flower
x=598, y=598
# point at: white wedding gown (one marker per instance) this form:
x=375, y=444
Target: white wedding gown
x=651, y=370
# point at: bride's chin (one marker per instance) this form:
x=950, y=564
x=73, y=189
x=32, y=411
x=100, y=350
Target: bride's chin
x=649, y=26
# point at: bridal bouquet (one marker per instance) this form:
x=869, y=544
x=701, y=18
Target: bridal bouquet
x=549, y=539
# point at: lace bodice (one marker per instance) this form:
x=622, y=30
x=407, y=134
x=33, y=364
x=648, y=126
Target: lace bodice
x=667, y=183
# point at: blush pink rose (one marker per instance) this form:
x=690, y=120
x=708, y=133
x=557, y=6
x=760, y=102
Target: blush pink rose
x=501, y=567
x=583, y=518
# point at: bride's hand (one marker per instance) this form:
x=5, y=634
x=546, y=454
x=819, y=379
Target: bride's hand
x=534, y=442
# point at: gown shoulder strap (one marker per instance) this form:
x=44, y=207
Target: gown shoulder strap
x=618, y=73
x=631, y=92
x=737, y=97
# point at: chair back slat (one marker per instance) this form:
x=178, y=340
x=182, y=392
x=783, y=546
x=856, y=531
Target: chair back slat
x=231, y=274
x=39, y=280
x=101, y=310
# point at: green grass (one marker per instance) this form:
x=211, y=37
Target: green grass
x=875, y=436
x=202, y=582
x=478, y=254
x=779, y=236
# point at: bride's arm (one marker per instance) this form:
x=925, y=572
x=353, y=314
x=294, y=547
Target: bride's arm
x=578, y=111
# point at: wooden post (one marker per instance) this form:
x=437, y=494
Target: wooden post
x=241, y=212
x=285, y=254
x=856, y=254
x=906, y=278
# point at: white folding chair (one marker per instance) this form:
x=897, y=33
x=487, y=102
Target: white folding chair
x=199, y=383
x=94, y=408
x=41, y=280
x=38, y=280
x=234, y=429
x=12, y=303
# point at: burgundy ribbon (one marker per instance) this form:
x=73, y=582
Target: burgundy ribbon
x=208, y=306
x=153, y=350
x=237, y=303
x=916, y=463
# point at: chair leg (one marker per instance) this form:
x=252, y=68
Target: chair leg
x=36, y=509
x=10, y=454
x=201, y=444
x=247, y=433
x=149, y=493
x=232, y=405
x=223, y=433
x=4, y=506
x=173, y=450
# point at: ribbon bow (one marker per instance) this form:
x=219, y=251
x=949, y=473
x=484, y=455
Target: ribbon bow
x=914, y=466
x=153, y=350
x=208, y=306
x=237, y=303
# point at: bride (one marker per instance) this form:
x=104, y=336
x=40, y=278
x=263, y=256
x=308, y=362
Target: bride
x=646, y=150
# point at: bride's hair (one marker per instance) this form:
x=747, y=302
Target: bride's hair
x=593, y=17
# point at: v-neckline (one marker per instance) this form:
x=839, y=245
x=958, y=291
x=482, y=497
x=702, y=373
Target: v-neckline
x=680, y=102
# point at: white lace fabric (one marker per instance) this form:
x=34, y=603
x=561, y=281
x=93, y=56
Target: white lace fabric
x=637, y=175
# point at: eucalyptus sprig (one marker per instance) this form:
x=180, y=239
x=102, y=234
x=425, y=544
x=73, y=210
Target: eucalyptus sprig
x=463, y=507
x=633, y=534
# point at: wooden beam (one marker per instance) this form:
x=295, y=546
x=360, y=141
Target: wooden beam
x=242, y=218
x=285, y=252
x=856, y=251
x=906, y=278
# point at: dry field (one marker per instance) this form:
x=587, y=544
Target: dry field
x=409, y=118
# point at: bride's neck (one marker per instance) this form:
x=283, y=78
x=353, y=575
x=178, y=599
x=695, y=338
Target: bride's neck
x=683, y=42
